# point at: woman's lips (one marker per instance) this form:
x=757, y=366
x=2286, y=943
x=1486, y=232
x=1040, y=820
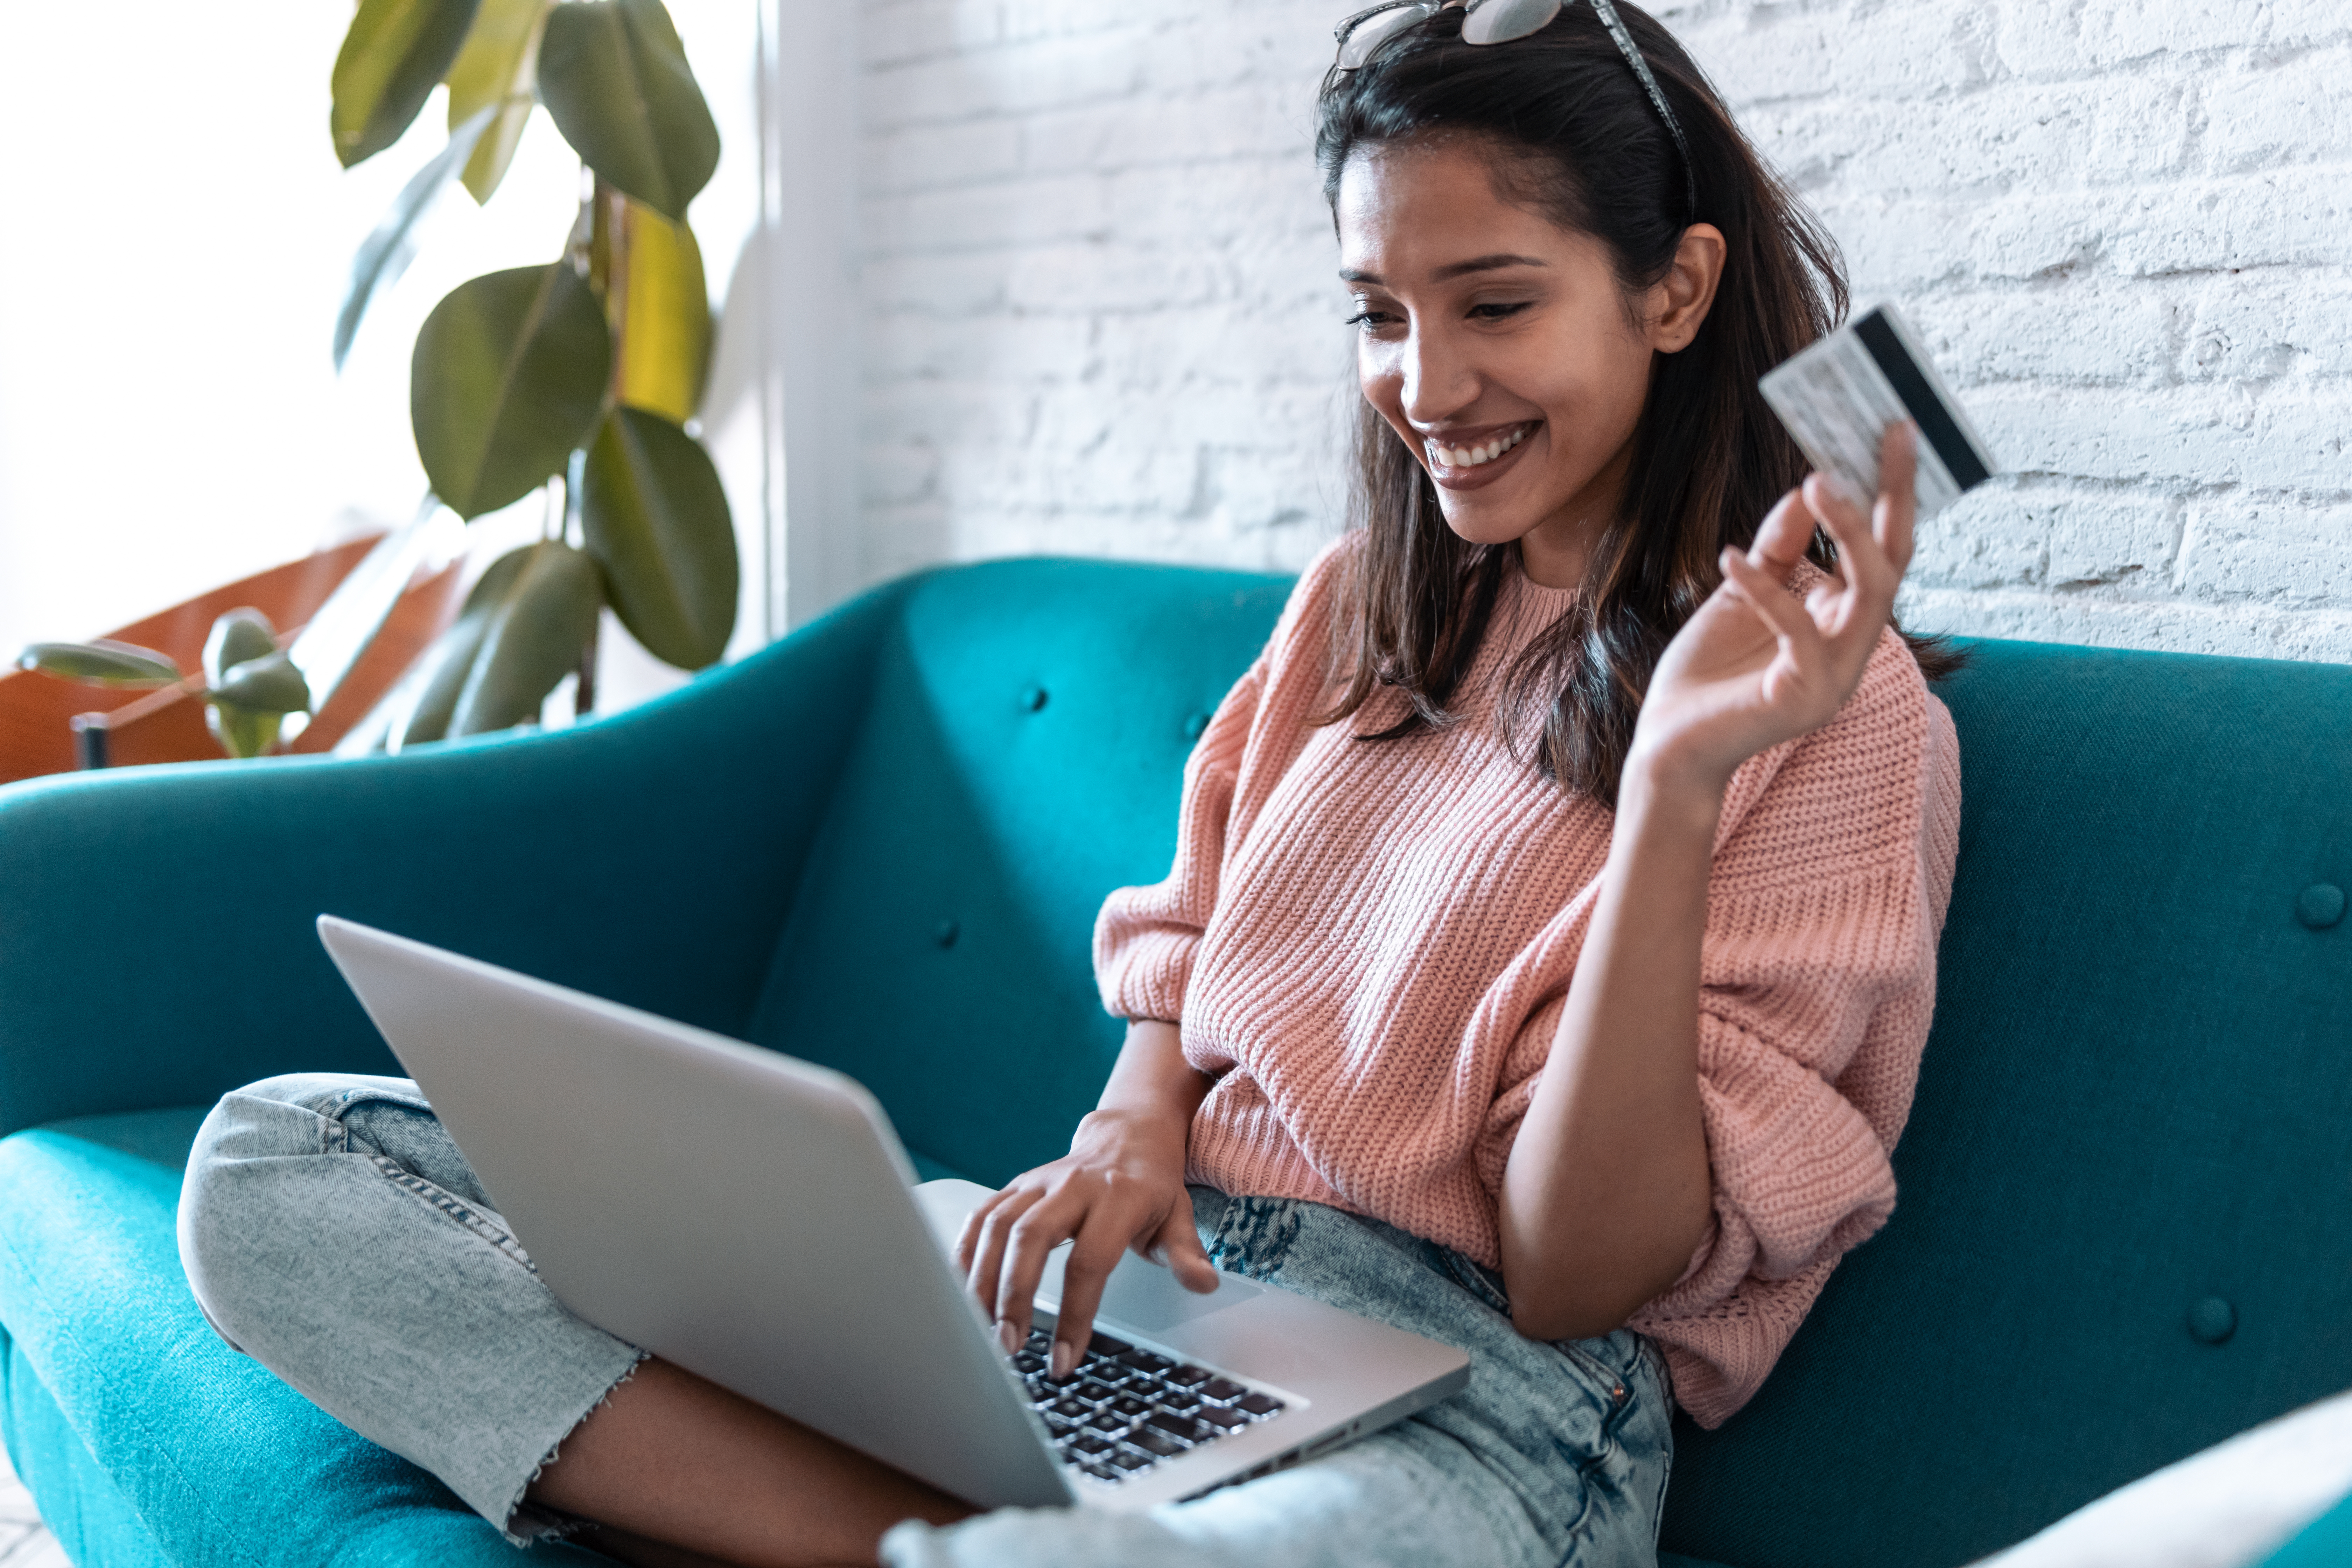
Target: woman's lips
x=1460, y=462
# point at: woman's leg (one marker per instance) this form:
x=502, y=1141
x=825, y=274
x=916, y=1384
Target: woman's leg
x=676, y=1460
x=330, y=1229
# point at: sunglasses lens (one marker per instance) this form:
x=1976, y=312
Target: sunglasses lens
x=1500, y=21
x=1365, y=38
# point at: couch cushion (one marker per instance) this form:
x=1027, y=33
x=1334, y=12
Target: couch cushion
x=80, y=1502
x=2125, y=1225
x=195, y=1451
x=1022, y=758
x=2325, y=1544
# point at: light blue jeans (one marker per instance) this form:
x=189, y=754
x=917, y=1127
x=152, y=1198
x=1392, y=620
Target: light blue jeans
x=330, y=1229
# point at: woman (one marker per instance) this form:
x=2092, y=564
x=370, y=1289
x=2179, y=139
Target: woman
x=1544, y=965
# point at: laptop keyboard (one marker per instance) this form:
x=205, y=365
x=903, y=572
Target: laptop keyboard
x=1123, y=1410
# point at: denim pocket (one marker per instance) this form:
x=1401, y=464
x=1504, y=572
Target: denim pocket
x=1604, y=1378
x=1471, y=1276
x=490, y=1227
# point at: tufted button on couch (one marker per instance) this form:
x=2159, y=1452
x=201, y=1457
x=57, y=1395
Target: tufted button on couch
x=2125, y=1227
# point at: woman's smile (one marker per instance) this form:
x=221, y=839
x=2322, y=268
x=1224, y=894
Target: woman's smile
x=1473, y=457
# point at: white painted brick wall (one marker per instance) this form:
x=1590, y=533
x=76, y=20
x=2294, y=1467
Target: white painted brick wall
x=1100, y=318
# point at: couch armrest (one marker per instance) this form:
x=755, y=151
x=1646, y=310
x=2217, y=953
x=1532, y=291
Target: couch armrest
x=156, y=938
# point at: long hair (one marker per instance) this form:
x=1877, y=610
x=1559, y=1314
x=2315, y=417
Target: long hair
x=1572, y=135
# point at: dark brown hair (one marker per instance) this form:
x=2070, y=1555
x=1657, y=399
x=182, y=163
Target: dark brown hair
x=1573, y=136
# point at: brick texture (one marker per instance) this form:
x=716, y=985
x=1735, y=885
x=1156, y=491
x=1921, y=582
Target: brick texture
x=1100, y=318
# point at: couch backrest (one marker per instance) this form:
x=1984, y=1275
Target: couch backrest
x=2126, y=1188
x=2125, y=1228
x=1021, y=756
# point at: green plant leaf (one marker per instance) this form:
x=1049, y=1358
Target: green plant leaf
x=496, y=70
x=237, y=636
x=394, y=54
x=614, y=78
x=269, y=684
x=449, y=659
x=532, y=640
x=242, y=732
x=656, y=521
x=663, y=309
x=384, y=255
x=101, y=663
x=519, y=634
x=507, y=379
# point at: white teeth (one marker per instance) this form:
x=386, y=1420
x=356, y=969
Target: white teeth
x=1471, y=457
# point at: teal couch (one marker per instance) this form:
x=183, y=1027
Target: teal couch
x=2126, y=1186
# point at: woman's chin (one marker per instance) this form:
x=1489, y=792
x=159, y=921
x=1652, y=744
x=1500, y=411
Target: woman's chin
x=1489, y=520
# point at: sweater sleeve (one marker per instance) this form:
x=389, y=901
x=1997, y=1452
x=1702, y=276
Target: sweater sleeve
x=1832, y=874
x=1145, y=937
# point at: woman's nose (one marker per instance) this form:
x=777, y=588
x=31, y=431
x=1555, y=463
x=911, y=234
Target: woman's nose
x=1439, y=379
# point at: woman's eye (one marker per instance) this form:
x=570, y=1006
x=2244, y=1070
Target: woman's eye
x=1370, y=320
x=1497, y=312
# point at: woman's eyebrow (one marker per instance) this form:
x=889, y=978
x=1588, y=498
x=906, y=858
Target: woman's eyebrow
x=1482, y=264
x=1455, y=270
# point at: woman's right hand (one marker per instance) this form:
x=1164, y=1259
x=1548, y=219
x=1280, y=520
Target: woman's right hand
x=1757, y=666
x=1121, y=1185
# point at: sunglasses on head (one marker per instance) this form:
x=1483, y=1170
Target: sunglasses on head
x=1500, y=22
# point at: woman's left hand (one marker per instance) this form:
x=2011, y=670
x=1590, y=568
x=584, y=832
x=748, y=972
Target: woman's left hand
x=1756, y=665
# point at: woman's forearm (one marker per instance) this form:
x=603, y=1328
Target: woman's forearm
x=1152, y=1082
x=1607, y=1191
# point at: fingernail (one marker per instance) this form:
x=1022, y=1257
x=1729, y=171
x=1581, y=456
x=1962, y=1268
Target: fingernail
x=1007, y=1336
x=1065, y=1358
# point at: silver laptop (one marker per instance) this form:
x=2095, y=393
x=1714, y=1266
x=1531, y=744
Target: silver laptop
x=753, y=1219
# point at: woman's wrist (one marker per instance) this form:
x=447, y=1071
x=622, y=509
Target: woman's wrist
x=1658, y=791
x=1152, y=1082
x=1105, y=1118
x=1166, y=1125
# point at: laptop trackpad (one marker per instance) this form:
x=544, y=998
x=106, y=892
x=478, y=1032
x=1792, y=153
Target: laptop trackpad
x=1144, y=1295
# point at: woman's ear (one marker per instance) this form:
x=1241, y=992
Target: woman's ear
x=1681, y=299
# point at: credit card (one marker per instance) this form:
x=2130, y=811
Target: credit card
x=1838, y=397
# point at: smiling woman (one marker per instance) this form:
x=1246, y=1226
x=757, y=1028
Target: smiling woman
x=1557, y=996
x=1547, y=295
x=1467, y=361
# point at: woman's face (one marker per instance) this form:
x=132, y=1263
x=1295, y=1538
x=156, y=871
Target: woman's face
x=1502, y=348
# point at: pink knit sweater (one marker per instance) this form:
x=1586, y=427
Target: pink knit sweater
x=1368, y=946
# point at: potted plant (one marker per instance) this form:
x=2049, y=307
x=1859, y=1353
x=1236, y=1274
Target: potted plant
x=580, y=377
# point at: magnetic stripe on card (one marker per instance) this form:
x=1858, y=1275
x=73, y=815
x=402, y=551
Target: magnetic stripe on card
x=1911, y=385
